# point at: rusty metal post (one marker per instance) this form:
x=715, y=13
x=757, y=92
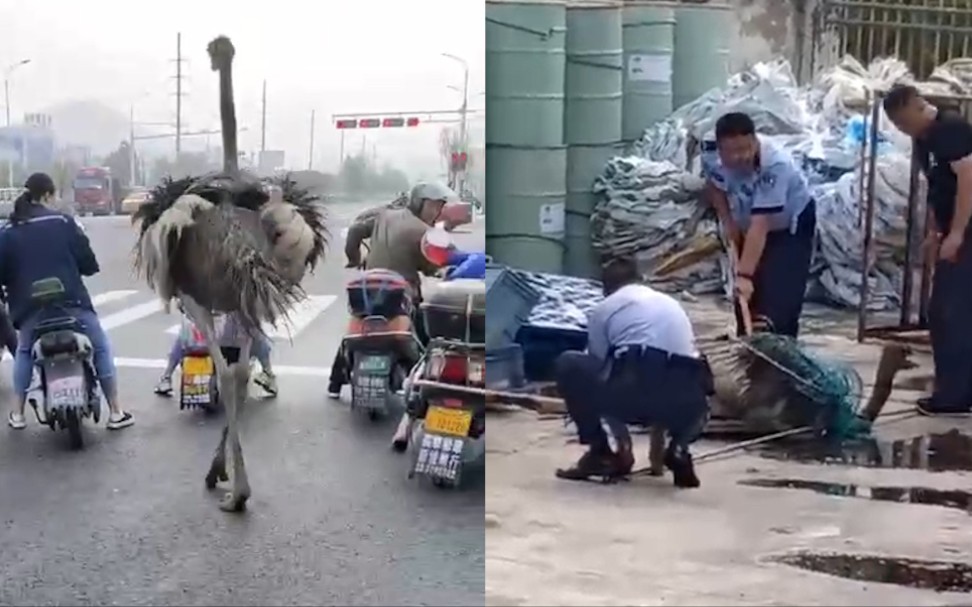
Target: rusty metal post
x=868, y=219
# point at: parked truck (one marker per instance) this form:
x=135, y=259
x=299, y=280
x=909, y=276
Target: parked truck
x=96, y=191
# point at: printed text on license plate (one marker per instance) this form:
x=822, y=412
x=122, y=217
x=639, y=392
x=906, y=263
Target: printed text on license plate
x=66, y=391
x=197, y=365
x=453, y=422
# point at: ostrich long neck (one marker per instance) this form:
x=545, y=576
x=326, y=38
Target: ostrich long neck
x=227, y=114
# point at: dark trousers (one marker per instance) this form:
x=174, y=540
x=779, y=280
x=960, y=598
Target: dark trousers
x=339, y=368
x=7, y=332
x=648, y=387
x=780, y=282
x=950, y=329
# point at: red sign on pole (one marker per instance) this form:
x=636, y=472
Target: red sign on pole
x=374, y=123
x=459, y=160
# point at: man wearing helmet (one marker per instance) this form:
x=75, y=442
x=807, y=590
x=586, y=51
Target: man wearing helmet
x=395, y=237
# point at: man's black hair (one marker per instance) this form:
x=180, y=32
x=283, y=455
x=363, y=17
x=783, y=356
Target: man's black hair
x=618, y=272
x=734, y=124
x=899, y=97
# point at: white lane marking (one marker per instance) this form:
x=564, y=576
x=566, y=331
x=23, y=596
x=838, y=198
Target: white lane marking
x=97, y=300
x=160, y=363
x=301, y=315
x=130, y=315
x=109, y=296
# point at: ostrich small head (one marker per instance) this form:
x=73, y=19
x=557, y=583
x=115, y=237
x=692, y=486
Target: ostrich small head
x=221, y=53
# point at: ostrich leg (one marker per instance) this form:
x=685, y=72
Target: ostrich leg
x=203, y=320
x=235, y=500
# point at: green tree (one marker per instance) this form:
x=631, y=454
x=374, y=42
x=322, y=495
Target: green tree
x=120, y=163
x=355, y=174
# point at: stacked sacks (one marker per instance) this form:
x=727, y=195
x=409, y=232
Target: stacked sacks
x=649, y=203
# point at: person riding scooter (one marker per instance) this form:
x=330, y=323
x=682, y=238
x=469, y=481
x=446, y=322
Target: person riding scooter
x=40, y=243
x=395, y=237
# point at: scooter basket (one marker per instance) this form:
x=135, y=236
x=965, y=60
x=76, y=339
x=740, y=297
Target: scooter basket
x=378, y=293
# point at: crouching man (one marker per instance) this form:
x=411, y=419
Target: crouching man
x=641, y=367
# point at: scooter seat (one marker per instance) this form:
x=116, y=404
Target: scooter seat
x=64, y=341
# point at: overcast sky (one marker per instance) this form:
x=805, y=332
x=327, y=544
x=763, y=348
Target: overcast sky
x=332, y=56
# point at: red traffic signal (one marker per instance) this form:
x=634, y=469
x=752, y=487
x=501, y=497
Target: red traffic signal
x=393, y=122
x=459, y=161
x=347, y=124
x=369, y=123
x=412, y=122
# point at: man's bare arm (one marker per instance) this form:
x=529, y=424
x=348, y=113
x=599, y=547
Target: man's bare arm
x=720, y=202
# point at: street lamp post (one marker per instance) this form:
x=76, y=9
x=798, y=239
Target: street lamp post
x=463, y=111
x=6, y=84
x=6, y=101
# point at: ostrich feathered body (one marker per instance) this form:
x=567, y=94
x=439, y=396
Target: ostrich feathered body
x=222, y=241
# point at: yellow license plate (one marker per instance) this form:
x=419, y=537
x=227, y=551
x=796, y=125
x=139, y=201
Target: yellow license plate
x=197, y=365
x=454, y=422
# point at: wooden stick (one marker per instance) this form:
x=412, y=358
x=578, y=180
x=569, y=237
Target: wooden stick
x=534, y=402
x=742, y=302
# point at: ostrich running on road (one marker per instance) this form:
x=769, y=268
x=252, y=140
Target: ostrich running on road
x=220, y=245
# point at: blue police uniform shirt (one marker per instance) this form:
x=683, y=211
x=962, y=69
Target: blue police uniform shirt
x=776, y=187
x=637, y=315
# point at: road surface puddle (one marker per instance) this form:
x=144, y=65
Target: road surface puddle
x=942, y=576
x=949, y=498
x=949, y=451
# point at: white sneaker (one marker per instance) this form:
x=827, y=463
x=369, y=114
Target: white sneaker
x=17, y=421
x=117, y=421
x=164, y=387
x=267, y=381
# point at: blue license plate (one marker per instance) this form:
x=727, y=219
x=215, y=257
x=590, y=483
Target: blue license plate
x=374, y=364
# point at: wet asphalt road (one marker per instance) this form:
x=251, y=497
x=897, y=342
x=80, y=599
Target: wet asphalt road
x=333, y=518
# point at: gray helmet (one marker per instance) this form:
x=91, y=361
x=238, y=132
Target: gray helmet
x=429, y=190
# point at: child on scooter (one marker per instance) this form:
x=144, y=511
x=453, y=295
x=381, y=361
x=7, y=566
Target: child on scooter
x=189, y=336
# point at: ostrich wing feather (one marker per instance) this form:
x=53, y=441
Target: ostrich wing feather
x=225, y=262
x=309, y=222
x=204, y=237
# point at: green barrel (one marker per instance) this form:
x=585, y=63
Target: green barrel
x=586, y=163
x=592, y=122
x=649, y=43
x=701, y=50
x=525, y=147
x=593, y=77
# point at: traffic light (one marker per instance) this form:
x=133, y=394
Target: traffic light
x=369, y=123
x=347, y=124
x=393, y=122
x=459, y=161
x=412, y=122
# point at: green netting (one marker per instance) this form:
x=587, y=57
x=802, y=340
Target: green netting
x=831, y=390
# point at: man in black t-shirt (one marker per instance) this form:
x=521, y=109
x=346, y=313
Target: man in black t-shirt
x=943, y=140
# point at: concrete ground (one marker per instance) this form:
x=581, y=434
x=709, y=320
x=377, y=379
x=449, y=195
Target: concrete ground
x=554, y=542
x=333, y=518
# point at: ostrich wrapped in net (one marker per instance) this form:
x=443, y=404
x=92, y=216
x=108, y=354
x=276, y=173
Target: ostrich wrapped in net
x=771, y=383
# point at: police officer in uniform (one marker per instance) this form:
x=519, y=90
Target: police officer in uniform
x=641, y=367
x=764, y=205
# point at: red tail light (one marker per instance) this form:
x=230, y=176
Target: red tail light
x=456, y=368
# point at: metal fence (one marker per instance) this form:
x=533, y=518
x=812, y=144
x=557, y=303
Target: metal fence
x=923, y=33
